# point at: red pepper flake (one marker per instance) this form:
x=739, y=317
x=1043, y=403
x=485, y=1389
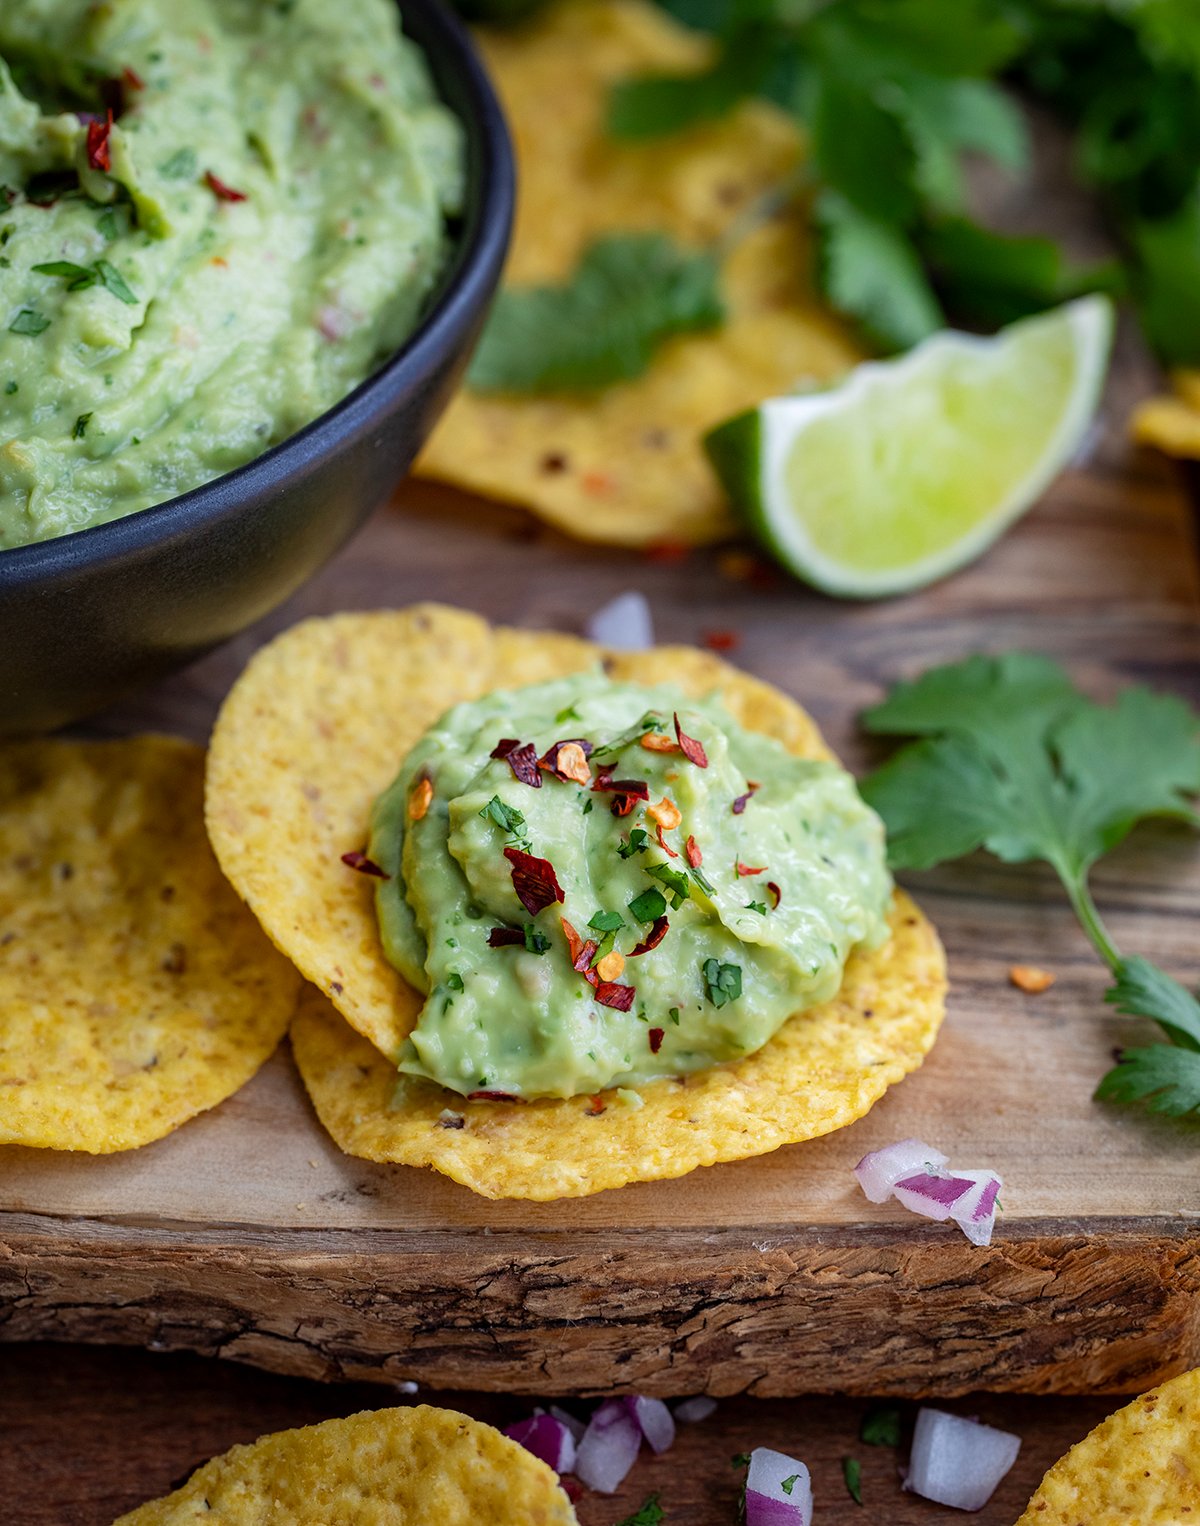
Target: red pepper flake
x=132, y=78
x=534, y=881
x=523, y=760
x=656, y=1038
x=663, y=844
x=691, y=749
x=721, y=641
x=420, y=799
x=490, y=1096
x=581, y=952
x=655, y=741
x=745, y=869
x=694, y=856
x=653, y=938
x=361, y=864
x=505, y=937
x=739, y=805
x=776, y=893
x=608, y=994
x=598, y=484
x=625, y=792
x=222, y=191
x=568, y=761
x=593, y=1110
x=99, y=154
x=667, y=551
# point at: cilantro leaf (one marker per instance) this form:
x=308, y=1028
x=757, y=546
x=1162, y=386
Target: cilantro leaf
x=651, y=1513
x=1165, y=1078
x=881, y=1426
x=861, y=148
x=629, y=293
x=653, y=105
x=723, y=982
x=1143, y=990
x=1167, y=282
x=607, y=921
x=29, y=321
x=852, y=1474
x=648, y=906
x=871, y=272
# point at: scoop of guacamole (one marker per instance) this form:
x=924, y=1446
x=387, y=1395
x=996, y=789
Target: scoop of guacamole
x=216, y=217
x=598, y=884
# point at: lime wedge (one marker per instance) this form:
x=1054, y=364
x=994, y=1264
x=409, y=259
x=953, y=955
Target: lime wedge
x=911, y=467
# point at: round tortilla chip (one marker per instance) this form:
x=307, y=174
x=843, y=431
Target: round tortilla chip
x=315, y=729
x=136, y=989
x=389, y=1467
x=1140, y=1467
x=625, y=465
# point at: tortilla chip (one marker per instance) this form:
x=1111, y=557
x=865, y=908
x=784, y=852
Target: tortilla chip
x=1172, y=424
x=625, y=465
x=316, y=728
x=136, y=989
x=1140, y=1467
x=389, y=1467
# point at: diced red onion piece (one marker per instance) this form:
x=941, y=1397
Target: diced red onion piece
x=609, y=1447
x=572, y=1423
x=879, y=1171
x=692, y=1411
x=653, y=1420
x=624, y=623
x=975, y=1211
x=767, y=1502
x=930, y=1193
x=958, y=1462
x=546, y=1438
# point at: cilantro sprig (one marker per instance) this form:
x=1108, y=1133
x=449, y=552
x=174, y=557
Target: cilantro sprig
x=1014, y=759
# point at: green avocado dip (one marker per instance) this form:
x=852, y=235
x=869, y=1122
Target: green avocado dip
x=597, y=884
x=194, y=277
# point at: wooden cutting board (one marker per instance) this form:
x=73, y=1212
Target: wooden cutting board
x=247, y=1234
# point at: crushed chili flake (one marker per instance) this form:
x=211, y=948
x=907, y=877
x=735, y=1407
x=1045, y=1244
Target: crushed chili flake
x=625, y=792
x=99, y=153
x=663, y=843
x=667, y=551
x=491, y=1096
x=534, y=881
x=505, y=937
x=721, y=641
x=694, y=856
x=746, y=869
x=776, y=893
x=595, y=1106
x=420, y=798
x=739, y=805
x=1030, y=979
x=656, y=741
x=597, y=483
x=656, y=1038
x=692, y=750
x=568, y=761
x=612, y=965
x=610, y=995
x=363, y=865
x=653, y=938
x=581, y=952
x=666, y=813
x=222, y=191
x=132, y=78
x=522, y=759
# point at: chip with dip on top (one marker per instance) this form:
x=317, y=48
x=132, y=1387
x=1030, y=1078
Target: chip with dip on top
x=587, y=917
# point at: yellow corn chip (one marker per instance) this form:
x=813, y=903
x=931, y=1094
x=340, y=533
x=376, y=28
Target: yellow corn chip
x=625, y=465
x=136, y=990
x=389, y=1467
x=316, y=728
x=1172, y=424
x=1140, y=1467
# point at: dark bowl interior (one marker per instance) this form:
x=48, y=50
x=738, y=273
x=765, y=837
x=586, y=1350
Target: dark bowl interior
x=88, y=616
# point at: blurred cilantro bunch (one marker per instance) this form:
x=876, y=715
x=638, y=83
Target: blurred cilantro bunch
x=894, y=93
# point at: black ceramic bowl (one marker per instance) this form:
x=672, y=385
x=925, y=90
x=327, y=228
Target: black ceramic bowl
x=89, y=616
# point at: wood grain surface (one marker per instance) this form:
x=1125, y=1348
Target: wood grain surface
x=247, y=1234
x=89, y=1434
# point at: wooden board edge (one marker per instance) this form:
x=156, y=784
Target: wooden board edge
x=1084, y=1306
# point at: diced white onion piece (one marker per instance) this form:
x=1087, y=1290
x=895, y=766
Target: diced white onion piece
x=975, y=1211
x=958, y=1462
x=574, y=1425
x=609, y=1447
x=768, y=1503
x=624, y=623
x=692, y=1411
x=933, y=1194
x=879, y=1171
x=546, y=1438
x=653, y=1420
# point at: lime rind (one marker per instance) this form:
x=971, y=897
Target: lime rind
x=913, y=467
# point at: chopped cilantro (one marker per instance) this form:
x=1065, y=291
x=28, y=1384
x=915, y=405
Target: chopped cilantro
x=675, y=880
x=107, y=224
x=702, y=881
x=789, y=1483
x=11, y=387
x=852, y=1473
x=78, y=277
x=454, y=981
x=649, y=722
x=648, y=906
x=723, y=982
x=182, y=165
x=587, y=805
x=673, y=1014
x=504, y=816
x=81, y=424
x=29, y=321
x=535, y=942
x=740, y=1459
x=651, y=1513
x=881, y=1426
x=607, y=921
x=114, y=282
x=569, y=714
x=637, y=842
x=756, y=906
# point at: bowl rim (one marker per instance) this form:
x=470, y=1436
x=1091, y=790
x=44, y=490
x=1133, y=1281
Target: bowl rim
x=478, y=253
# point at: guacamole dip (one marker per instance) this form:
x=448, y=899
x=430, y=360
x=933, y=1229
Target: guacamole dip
x=216, y=217
x=598, y=884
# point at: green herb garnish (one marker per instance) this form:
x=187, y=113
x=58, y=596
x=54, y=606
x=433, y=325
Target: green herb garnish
x=182, y=165
x=651, y=1513
x=81, y=424
x=454, y=981
x=637, y=842
x=78, y=277
x=757, y=906
x=648, y=906
x=29, y=321
x=674, y=880
x=504, y=816
x=673, y=1014
x=607, y=921
x=723, y=982
x=115, y=283
x=535, y=942
x=852, y=1473
x=881, y=1426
